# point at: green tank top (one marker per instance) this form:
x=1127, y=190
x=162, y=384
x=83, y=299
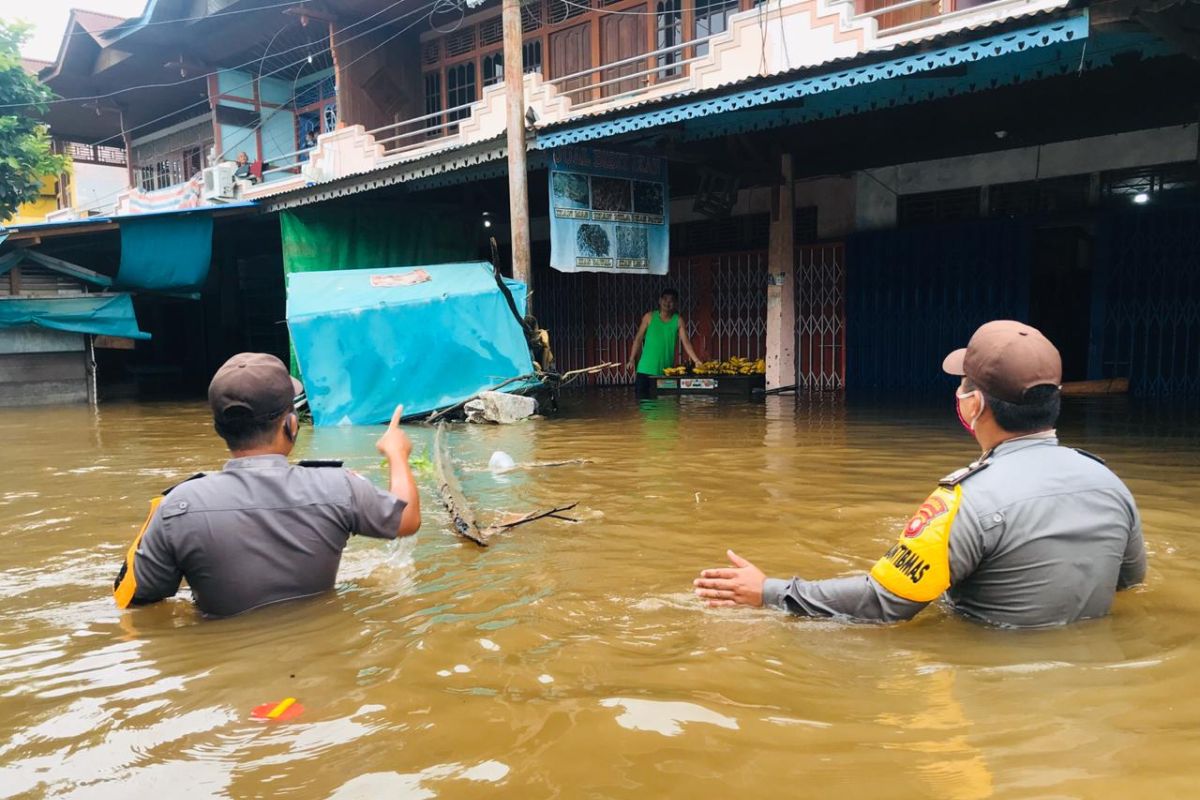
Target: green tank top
x=658, y=349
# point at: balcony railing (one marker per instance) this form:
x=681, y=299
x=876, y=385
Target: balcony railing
x=594, y=81
x=901, y=16
x=413, y=134
x=287, y=164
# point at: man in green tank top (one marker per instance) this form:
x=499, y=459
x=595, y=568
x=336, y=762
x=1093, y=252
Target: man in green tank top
x=655, y=341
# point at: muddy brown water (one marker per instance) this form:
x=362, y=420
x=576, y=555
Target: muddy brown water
x=572, y=660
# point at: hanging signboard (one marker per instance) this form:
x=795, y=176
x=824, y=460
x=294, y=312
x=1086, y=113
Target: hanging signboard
x=608, y=212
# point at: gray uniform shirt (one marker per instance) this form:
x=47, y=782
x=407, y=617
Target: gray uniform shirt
x=258, y=532
x=1043, y=535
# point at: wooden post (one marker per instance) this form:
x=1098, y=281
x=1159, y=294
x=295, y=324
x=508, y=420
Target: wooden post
x=518, y=188
x=341, y=81
x=128, y=143
x=781, y=293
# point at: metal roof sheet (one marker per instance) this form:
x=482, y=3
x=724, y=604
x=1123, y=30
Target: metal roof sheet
x=117, y=219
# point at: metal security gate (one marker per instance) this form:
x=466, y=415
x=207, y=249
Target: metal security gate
x=618, y=303
x=593, y=317
x=738, y=323
x=1148, y=299
x=821, y=317
x=914, y=294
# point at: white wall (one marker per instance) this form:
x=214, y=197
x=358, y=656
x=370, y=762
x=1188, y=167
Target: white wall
x=97, y=186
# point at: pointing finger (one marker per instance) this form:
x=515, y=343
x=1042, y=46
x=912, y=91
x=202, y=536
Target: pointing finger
x=396, y=415
x=737, y=560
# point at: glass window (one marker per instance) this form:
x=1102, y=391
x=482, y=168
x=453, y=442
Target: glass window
x=712, y=17
x=531, y=55
x=493, y=68
x=669, y=20
x=433, y=98
x=460, y=88
x=193, y=161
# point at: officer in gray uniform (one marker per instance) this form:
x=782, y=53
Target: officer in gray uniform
x=1032, y=534
x=262, y=531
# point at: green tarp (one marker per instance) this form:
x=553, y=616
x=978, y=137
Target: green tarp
x=318, y=238
x=109, y=315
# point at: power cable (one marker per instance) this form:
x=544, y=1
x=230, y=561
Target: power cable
x=713, y=6
x=205, y=100
x=191, y=79
x=263, y=120
x=105, y=33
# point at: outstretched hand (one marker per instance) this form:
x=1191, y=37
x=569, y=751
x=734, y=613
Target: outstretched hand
x=394, y=443
x=740, y=585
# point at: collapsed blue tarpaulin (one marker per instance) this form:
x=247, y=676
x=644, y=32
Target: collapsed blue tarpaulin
x=427, y=337
x=108, y=315
x=165, y=253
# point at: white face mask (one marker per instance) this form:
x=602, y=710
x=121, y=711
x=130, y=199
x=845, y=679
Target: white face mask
x=969, y=426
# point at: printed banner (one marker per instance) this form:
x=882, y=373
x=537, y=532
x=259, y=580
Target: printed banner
x=608, y=212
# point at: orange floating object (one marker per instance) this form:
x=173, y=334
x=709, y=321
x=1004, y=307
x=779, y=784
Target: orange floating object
x=282, y=711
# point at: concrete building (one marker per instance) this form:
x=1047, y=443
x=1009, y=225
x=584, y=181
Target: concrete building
x=852, y=185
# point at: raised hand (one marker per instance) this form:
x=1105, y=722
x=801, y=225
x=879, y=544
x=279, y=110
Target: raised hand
x=740, y=585
x=394, y=443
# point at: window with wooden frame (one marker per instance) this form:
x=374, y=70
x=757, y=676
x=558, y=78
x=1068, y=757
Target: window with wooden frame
x=712, y=17
x=172, y=158
x=493, y=68
x=193, y=162
x=531, y=56
x=460, y=89
x=668, y=21
x=433, y=100
x=573, y=42
x=316, y=110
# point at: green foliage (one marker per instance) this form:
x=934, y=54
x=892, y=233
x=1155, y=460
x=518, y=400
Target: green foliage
x=25, y=157
x=421, y=464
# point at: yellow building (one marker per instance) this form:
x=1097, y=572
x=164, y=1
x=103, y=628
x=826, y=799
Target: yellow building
x=47, y=199
x=36, y=211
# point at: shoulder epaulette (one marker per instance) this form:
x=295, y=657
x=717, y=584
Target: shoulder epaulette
x=1092, y=456
x=960, y=475
x=320, y=462
x=172, y=488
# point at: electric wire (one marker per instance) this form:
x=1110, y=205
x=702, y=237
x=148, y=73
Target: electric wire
x=263, y=120
x=125, y=20
x=182, y=81
x=205, y=100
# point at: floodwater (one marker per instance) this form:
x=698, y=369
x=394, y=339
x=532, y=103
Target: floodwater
x=571, y=660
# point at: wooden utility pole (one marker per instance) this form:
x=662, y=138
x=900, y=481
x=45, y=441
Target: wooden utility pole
x=518, y=184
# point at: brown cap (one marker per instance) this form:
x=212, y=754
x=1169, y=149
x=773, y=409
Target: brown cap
x=1006, y=359
x=252, y=385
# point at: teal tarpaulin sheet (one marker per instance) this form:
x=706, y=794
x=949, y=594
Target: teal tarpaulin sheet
x=165, y=253
x=111, y=315
x=427, y=337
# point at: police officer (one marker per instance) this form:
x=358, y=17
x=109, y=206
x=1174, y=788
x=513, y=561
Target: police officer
x=1032, y=534
x=262, y=531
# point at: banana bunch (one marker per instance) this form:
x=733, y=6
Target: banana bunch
x=732, y=366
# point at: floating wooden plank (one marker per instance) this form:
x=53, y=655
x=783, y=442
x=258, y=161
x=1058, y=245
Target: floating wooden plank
x=450, y=491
